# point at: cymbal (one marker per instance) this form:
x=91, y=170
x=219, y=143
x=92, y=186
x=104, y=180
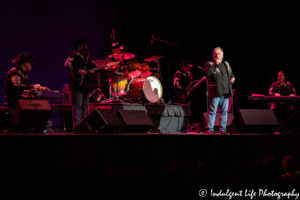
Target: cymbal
x=101, y=63
x=153, y=58
x=123, y=55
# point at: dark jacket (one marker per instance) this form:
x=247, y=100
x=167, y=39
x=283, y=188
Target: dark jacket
x=76, y=62
x=214, y=78
x=16, y=82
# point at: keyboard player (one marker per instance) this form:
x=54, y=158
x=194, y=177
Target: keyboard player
x=17, y=79
x=282, y=88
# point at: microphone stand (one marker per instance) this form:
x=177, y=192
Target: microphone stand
x=169, y=68
x=87, y=58
x=207, y=99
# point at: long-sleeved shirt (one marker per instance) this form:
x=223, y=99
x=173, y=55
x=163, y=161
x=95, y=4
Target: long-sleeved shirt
x=74, y=63
x=284, y=90
x=16, y=82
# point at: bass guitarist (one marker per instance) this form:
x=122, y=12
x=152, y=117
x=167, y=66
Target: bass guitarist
x=183, y=80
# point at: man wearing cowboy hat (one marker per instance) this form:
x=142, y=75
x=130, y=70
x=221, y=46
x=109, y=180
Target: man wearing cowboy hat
x=17, y=79
x=220, y=81
x=182, y=80
x=75, y=63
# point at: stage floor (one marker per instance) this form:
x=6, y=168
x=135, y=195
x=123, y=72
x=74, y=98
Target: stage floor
x=134, y=151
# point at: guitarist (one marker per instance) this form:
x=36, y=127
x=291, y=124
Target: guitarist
x=183, y=80
x=80, y=93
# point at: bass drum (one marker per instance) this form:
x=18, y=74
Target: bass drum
x=148, y=88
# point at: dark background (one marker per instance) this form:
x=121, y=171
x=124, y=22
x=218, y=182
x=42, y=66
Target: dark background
x=258, y=40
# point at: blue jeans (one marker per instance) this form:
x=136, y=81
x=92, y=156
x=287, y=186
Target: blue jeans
x=80, y=105
x=213, y=107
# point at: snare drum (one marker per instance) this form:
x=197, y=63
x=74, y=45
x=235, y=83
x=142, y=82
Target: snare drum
x=146, y=70
x=134, y=69
x=149, y=88
x=119, y=83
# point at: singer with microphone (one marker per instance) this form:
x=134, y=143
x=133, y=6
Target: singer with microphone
x=77, y=63
x=220, y=80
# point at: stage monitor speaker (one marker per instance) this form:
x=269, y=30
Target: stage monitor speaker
x=99, y=121
x=203, y=122
x=253, y=121
x=136, y=121
x=291, y=125
x=32, y=115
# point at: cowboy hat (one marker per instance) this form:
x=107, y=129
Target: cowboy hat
x=186, y=64
x=79, y=42
x=23, y=57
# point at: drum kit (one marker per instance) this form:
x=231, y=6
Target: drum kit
x=134, y=82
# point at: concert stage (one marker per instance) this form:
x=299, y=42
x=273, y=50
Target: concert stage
x=135, y=151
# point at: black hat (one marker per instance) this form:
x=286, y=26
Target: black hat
x=116, y=45
x=23, y=57
x=186, y=64
x=79, y=42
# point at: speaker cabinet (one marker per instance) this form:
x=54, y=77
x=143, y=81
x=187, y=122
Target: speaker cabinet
x=291, y=125
x=203, y=122
x=99, y=121
x=31, y=115
x=254, y=121
x=136, y=121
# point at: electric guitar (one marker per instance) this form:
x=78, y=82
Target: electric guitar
x=184, y=97
x=90, y=72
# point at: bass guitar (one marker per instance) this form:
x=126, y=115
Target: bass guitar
x=184, y=97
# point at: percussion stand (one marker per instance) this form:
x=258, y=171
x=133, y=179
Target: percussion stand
x=99, y=91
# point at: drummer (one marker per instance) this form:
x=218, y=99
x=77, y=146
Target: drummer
x=115, y=48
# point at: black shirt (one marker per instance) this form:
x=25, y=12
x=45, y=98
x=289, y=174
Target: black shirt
x=182, y=79
x=284, y=90
x=75, y=62
x=16, y=82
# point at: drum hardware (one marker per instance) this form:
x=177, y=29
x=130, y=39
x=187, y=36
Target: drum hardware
x=169, y=59
x=115, y=98
x=123, y=55
x=152, y=58
x=98, y=90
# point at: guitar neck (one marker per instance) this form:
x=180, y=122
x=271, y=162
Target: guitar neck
x=197, y=84
x=96, y=68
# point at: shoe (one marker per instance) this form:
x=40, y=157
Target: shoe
x=210, y=132
x=224, y=132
